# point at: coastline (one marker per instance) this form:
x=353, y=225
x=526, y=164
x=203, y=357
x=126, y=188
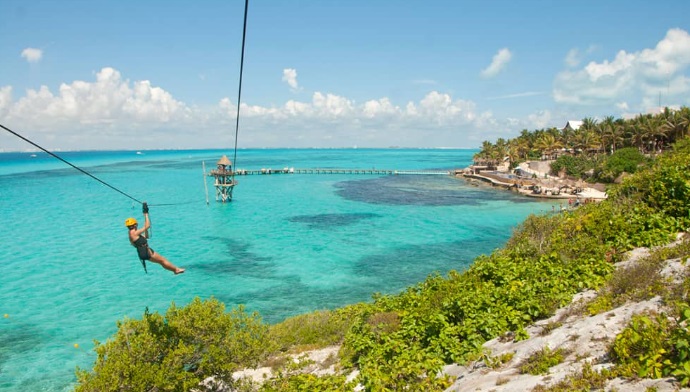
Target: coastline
x=537, y=183
x=277, y=248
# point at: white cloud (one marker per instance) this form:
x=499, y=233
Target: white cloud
x=500, y=60
x=380, y=107
x=290, y=77
x=540, y=120
x=32, y=55
x=441, y=108
x=107, y=100
x=5, y=99
x=636, y=76
x=622, y=62
x=331, y=106
x=111, y=112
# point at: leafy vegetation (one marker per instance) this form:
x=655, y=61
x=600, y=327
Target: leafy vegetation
x=658, y=345
x=316, y=329
x=402, y=341
x=177, y=351
x=540, y=361
x=626, y=160
x=587, y=379
x=573, y=166
x=581, y=152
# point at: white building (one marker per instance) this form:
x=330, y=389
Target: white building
x=572, y=125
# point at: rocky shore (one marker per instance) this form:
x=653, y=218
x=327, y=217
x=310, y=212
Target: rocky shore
x=533, y=180
x=585, y=340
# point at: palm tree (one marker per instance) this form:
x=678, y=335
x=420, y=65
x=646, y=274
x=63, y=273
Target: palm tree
x=501, y=147
x=588, y=124
x=583, y=136
x=567, y=138
x=514, y=152
x=522, y=146
x=617, y=135
x=652, y=129
x=548, y=143
x=636, y=134
x=676, y=123
x=587, y=140
x=684, y=114
x=485, y=152
x=606, y=130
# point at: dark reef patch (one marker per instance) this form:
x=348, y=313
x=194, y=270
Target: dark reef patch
x=420, y=191
x=240, y=261
x=331, y=221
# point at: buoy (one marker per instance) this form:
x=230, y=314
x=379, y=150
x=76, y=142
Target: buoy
x=7, y=315
x=76, y=345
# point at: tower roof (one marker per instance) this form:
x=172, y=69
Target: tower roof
x=224, y=161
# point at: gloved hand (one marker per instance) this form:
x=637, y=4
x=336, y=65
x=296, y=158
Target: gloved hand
x=145, y=208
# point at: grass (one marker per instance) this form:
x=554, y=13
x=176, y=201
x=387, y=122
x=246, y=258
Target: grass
x=540, y=361
x=587, y=379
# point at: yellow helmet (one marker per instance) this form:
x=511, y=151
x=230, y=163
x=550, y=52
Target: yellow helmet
x=130, y=222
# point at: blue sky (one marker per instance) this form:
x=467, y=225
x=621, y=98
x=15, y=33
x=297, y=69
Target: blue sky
x=106, y=74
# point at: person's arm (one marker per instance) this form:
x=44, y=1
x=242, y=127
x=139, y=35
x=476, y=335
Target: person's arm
x=147, y=224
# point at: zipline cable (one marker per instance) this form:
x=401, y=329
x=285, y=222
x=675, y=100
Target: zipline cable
x=239, y=90
x=89, y=174
x=63, y=160
x=237, y=127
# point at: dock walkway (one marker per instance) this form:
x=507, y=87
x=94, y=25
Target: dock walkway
x=243, y=172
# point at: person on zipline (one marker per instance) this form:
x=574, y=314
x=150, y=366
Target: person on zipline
x=138, y=239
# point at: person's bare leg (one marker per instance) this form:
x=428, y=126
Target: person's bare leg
x=158, y=258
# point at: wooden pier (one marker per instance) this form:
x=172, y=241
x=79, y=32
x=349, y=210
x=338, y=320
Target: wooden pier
x=242, y=172
x=224, y=175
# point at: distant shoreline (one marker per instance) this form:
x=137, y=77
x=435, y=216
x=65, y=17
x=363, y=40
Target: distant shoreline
x=541, y=185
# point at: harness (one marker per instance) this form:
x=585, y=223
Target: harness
x=142, y=250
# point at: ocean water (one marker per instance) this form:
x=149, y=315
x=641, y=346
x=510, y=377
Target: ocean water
x=287, y=244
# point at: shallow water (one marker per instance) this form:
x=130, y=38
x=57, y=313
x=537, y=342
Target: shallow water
x=287, y=244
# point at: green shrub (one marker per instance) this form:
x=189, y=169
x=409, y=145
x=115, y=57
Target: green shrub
x=499, y=360
x=540, y=361
x=665, y=187
x=402, y=341
x=574, y=166
x=308, y=383
x=625, y=160
x=586, y=379
x=654, y=346
x=316, y=329
x=640, y=349
x=637, y=282
x=176, y=352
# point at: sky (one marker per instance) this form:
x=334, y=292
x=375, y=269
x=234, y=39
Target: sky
x=165, y=74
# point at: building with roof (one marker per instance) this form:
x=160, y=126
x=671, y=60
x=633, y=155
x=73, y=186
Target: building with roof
x=572, y=125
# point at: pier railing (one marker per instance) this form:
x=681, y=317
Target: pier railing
x=243, y=172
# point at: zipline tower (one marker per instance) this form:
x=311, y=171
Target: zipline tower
x=225, y=181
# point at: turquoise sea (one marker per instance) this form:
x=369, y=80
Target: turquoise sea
x=287, y=244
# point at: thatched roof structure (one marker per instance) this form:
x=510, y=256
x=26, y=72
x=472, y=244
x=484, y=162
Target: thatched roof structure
x=224, y=161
